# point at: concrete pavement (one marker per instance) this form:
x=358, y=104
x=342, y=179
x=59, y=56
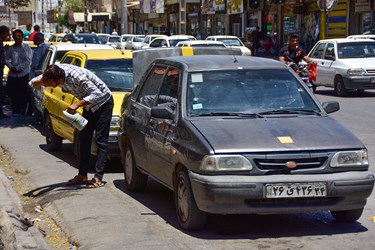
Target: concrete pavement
x=15, y=231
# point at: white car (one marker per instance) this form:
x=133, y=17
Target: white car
x=134, y=42
x=200, y=43
x=344, y=64
x=123, y=39
x=149, y=38
x=170, y=41
x=231, y=41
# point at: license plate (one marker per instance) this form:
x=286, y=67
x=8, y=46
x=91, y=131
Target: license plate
x=293, y=190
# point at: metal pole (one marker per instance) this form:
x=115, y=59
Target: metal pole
x=85, y=24
x=124, y=17
x=43, y=25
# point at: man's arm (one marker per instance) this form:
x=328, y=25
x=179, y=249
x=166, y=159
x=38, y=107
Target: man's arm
x=308, y=60
x=36, y=81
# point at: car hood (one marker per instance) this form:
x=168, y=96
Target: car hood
x=275, y=134
x=366, y=62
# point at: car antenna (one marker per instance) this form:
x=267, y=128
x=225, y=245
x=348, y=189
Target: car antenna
x=234, y=56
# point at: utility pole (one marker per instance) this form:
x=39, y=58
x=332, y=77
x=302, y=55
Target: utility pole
x=124, y=17
x=43, y=25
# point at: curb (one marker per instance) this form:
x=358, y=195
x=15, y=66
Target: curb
x=15, y=233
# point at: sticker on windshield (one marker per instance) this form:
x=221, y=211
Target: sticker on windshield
x=196, y=77
x=285, y=139
x=197, y=106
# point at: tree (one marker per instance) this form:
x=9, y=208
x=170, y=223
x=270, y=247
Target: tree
x=15, y=4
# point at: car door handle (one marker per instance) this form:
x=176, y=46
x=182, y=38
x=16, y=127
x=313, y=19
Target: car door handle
x=322, y=63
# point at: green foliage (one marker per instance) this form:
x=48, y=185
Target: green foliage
x=15, y=4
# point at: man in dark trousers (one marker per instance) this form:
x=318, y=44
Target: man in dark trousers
x=4, y=36
x=256, y=41
x=96, y=98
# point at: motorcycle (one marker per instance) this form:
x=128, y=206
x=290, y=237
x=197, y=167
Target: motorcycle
x=302, y=70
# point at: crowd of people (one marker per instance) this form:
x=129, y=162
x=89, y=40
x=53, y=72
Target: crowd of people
x=22, y=62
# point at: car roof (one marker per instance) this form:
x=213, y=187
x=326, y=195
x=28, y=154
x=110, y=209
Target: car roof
x=223, y=62
x=104, y=54
x=200, y=42
x=345, y=40
x=81, y=46
x=362, y=36
x=221, y=36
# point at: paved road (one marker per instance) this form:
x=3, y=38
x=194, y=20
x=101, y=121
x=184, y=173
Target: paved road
x=113, y=218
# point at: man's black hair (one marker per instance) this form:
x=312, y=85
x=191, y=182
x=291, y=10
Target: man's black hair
x=53, y=72
x=36, y=27
x=293, y=35
x=4, y=29
x=17, y=31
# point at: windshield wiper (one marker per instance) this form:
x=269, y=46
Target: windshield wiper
x=238, y=114
x=291, y=111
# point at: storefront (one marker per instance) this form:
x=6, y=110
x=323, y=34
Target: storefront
x=365, y=17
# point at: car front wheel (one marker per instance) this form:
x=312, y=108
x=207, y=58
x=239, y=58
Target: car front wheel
x=347, y=215
x=188, y=214
x=54, y=142
x=134, y=179
x=340, y=88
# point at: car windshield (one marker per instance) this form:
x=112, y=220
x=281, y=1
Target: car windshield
x=114, y=39
x=247, y=92
x=173, y=42
x=86, y=39
x=116, y=73
x=59, y=56
x=230, y=41
x=356, y=50
x=138, y=39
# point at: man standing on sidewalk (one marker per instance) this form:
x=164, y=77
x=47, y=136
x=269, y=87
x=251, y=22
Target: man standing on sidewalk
x=4, y=36
x=96, y=98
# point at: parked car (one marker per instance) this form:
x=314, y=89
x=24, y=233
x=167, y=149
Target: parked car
x=53, y=55
x=81, y=38
x=115, y=68
x=200, y=43
x=134, y=42
x=57, y=37
x=230, y=138
x=169, y=41
x=344, y=64
x=148, y=39
x=123, y=39
x=231, y=41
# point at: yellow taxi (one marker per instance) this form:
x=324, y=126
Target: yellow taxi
x=115, y=68
x=57, y=37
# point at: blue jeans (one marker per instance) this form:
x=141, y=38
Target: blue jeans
x=98, y=121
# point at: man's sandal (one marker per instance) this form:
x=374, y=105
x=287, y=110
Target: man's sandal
x=78, y=180
x=95, y=183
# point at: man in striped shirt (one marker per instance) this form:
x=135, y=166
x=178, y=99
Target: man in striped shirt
x=96, y=98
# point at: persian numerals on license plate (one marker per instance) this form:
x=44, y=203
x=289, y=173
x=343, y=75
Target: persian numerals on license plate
x=292, y=190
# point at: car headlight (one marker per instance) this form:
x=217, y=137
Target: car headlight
x=214, y=163
x=356, y=72
x=355, y=158
x=115, y=122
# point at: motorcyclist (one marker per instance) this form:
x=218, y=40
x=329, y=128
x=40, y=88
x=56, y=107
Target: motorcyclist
x=293, y=52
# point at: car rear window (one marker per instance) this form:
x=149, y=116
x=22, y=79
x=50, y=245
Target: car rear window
x=356, y=50
x=116, y=73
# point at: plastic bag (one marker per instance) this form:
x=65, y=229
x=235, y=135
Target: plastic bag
x=312, y=72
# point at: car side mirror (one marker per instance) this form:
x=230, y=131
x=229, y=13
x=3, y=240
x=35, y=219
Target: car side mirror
x=162, y=112
x=331, y=106
x=329, y=57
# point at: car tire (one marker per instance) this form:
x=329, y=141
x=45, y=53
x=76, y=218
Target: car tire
x=347, y=215
x=135, y=181
x=340, y=88
x=188, y=214
x=53, y=141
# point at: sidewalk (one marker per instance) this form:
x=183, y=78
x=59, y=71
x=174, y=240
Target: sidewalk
x=15, y=231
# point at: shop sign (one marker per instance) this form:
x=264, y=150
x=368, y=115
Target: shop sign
x=362, y=5
x=234, y=6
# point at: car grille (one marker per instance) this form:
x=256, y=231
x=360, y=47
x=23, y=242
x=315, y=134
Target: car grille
x=279, y=164
x=371, y=71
